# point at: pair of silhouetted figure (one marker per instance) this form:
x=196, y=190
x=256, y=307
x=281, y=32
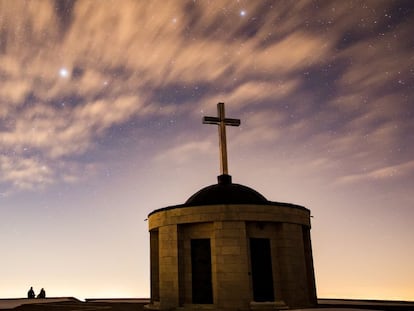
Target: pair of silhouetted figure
x=31, y=293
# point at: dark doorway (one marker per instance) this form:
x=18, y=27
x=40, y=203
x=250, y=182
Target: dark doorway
x=201, y=271
x=262, y=277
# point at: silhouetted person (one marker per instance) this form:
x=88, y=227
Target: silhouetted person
x=42, y=294
x=31, y=293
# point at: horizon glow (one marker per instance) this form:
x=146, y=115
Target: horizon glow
x=324, y=92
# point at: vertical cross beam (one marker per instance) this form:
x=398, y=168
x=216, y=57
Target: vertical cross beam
x=222, y=121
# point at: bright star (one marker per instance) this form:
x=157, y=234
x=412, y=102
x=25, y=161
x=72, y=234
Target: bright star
x=242, y=13
x=63, y=72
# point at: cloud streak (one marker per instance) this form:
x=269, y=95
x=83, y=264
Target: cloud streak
x=121, y=56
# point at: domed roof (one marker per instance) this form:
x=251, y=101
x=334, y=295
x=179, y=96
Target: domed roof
x=225, y=192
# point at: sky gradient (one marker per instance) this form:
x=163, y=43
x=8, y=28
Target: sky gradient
x=101, y=105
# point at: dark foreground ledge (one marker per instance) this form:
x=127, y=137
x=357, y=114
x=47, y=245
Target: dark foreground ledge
x=72, y=304
x=385, y=305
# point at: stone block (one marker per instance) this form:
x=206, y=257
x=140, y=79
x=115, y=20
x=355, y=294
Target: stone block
x=230, y=250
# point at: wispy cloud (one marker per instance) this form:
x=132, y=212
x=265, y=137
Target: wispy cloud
x=25, y=173
x=277, y=62
x=182, y=153
x=388, y=173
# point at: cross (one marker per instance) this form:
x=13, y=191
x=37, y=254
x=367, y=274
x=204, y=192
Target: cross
x=222, y=121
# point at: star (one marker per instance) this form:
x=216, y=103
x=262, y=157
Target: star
x=63, y=72
x=242, y=13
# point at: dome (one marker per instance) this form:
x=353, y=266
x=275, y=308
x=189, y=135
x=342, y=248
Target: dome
x=225, y=192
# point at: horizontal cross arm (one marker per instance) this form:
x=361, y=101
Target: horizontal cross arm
x=215, y=120
x=232, y=122
x=211, y=120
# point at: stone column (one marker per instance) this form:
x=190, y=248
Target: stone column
x=294, y=281
x=154, y=265
x=309, y=266
x=230, y=269
x=168, y=267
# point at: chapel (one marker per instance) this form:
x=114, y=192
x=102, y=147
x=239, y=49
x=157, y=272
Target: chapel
x=229, y=248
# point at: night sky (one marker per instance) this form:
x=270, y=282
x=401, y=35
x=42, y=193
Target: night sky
x=101, y=106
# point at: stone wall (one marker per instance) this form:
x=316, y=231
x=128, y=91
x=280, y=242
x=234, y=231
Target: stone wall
x=229, y=229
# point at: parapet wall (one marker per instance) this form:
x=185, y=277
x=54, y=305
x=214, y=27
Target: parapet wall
x=232, y=212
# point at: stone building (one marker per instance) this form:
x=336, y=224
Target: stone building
x=229, y=248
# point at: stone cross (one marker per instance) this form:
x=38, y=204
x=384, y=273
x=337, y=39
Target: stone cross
x=222, y=121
